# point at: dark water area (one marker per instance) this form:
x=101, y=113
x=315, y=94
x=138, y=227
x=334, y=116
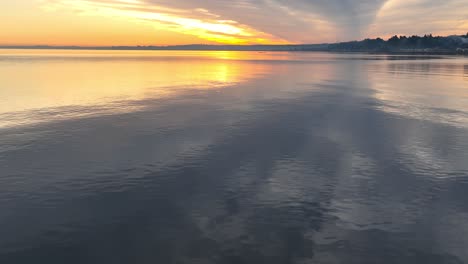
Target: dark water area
x=232, y=157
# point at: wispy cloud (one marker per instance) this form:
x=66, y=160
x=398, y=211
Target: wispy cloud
x=421, y=17
x=195, y=21
x=283, y=21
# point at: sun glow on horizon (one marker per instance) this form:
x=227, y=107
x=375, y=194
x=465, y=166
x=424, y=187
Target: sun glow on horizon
x=180, y=22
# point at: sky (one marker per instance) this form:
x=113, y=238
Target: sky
x=174, y=22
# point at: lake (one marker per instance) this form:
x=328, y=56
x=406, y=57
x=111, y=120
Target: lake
x=232, y=157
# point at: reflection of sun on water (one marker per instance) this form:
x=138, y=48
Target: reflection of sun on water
x=54, y=79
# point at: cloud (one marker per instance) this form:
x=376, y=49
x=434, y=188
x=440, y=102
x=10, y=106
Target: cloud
x=298, y=21
x=285, y=21
x=198, y=21
x=425, y=16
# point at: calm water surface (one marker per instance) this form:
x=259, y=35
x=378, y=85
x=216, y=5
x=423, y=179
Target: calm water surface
x=232, y=157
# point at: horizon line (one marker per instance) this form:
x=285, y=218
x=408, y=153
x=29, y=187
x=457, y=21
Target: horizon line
x=136, y=47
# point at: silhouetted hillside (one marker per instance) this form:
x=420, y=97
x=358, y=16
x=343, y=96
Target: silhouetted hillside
x=426, y=44
x=404, y=44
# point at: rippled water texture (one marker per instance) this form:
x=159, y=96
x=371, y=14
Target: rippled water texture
x=232, y=157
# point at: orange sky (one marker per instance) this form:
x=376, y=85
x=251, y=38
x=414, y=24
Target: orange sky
x=164, y=22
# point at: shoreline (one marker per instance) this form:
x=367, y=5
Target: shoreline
x=244, y=48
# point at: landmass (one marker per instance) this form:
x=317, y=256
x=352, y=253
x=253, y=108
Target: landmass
x=427, y=44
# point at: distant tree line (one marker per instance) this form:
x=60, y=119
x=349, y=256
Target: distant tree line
x=426, y=43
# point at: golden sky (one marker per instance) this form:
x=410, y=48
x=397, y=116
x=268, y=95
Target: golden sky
x=171, y=22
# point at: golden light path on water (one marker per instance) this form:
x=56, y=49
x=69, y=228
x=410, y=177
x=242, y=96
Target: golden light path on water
x=47, y=85
x=90, y=82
